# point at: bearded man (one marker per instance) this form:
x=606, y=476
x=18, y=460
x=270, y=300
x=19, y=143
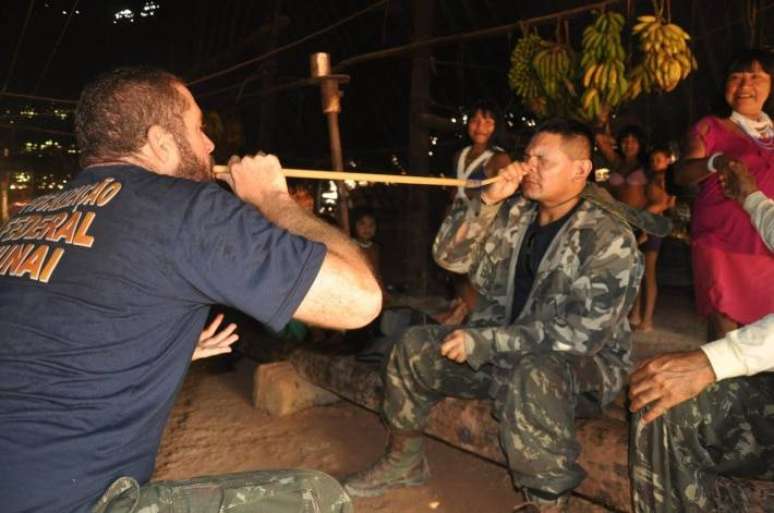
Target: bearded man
x=106, y=286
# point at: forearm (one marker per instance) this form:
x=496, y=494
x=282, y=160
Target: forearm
x=761, y=210
x=287, y=214
x=608, y=152
x=743, y=352
x=345, y=293
x=461, y=234
x=692, y=171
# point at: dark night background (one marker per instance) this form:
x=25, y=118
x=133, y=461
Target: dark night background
x=48, y=51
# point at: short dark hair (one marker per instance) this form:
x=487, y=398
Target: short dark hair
x=744, y=60
x=116, y=110
x=570, y=130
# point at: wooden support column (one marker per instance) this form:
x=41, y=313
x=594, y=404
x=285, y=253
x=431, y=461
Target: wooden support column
x=417, y=215
x=331, y=106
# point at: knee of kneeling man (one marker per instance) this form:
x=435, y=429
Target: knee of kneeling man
x=539, y=370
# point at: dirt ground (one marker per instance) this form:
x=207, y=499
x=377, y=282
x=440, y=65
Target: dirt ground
x=214, y=429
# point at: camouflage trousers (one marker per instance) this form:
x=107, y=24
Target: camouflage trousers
x=536, y=409
x=274, y=491
x=689, y=460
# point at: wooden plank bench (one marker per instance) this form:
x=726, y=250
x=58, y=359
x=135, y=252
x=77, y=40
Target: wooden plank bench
x=468, y=425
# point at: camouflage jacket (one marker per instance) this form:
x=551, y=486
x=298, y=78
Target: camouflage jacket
x=584, y=286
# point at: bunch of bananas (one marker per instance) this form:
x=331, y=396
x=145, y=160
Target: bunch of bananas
x=522, y=76
x=554, y=66
x=668, y=59
x=640, y=80
x=603, y=65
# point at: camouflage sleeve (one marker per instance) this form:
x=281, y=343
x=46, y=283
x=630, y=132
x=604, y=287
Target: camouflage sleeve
x=459, y=239
x=600, y=294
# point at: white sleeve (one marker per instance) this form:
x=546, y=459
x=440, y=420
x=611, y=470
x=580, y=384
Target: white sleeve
x=743, y=352
x=761, y=210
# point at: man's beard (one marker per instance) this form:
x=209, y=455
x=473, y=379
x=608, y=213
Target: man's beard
x=190, y=166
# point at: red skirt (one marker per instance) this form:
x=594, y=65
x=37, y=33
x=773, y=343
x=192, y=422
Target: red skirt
x=738, y=285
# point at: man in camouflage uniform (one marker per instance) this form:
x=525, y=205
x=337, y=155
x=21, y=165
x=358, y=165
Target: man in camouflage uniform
x=544, y=352
x=706, y=417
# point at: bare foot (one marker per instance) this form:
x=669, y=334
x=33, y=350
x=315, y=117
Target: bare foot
x=644, y=326
x=634, y=321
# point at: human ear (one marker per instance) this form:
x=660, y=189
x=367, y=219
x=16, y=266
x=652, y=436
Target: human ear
x=582, y=169
x=162, y=144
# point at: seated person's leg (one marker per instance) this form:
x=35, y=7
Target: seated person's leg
x=417, y=376
x=728, y=430
x=536, y=405
x=280, y=491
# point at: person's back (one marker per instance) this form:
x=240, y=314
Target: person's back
x=90, y=360
x=106, y=286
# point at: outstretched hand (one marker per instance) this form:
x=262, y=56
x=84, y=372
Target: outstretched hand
x=213, y=342
x=667, y=380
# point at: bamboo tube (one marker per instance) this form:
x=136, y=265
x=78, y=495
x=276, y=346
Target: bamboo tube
x=375, y=177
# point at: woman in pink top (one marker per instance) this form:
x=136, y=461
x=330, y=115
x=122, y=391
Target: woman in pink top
x=733, y=269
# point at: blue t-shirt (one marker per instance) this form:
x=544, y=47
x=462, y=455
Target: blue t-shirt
x=104, y=290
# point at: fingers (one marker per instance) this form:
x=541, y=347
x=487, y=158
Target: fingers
x=655, y=411
x=510, y=179
x=257, y=178
x=513, y=172
x=453, y=347
x=212, y=328
x=642, y=396
x=224, y=338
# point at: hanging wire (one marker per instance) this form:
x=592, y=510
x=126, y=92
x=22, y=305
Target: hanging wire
x=56, y=47
x=287, y=46
x=38, y=98
x=18, y=45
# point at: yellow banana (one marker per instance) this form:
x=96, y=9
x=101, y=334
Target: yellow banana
x=589, y=73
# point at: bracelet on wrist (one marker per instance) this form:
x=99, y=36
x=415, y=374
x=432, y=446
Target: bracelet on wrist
x=711, y=162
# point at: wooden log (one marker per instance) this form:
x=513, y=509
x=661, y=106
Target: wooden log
x=278, y=390
x=469, y=425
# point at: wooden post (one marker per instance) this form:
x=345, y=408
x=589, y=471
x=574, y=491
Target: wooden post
x=417, y=215
x=331, y=106
x=4, y=185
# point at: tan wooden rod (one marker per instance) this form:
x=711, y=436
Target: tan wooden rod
x=375, y=177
